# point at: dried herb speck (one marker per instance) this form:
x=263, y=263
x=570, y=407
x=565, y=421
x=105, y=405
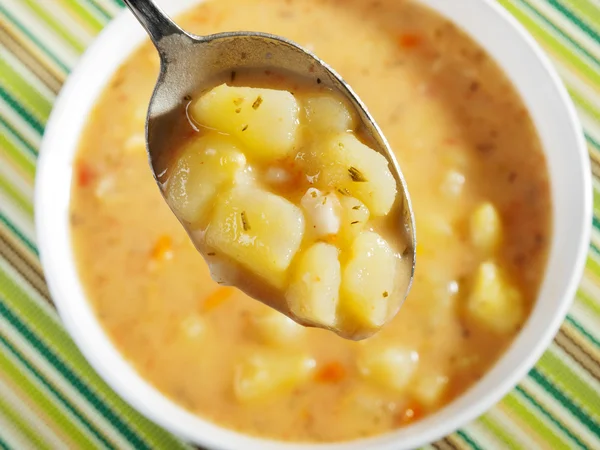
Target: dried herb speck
x=245, y=222
x=238, y=110
x=356, y=175
x=238, y=101
x=344, y=191
x=356, y=207
x=211, y=254
x=245, y=127
x=257, y=102
x=318, y=81
x=354, y=223
x=385, y=294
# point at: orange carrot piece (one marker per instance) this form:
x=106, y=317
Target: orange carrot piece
x=163, y=249
x=332, y=372
x=409, y=40
x=412, y=412
x=217, y=298
x=84, y=173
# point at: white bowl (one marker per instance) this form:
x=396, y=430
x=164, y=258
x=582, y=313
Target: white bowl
x=564, y=146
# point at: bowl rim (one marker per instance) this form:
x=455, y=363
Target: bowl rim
x=213, y=435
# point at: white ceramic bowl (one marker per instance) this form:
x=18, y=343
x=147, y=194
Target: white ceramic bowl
x=567, y=157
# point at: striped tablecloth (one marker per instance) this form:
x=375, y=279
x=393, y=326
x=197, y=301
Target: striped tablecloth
x=50, y=398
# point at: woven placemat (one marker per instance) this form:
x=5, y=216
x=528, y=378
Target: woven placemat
x=50, y=398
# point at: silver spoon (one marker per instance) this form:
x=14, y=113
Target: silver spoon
x=189, y=63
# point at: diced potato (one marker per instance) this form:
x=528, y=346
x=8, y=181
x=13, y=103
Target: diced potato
x=273, y=328
x=259, y=230
x=368, y=282
x=355, y=216
x=326, y=114
x=313, y=293
x=193, y=326
x=322, y=212
x=390, y=367
x=452, y=184
x=264, y=120
x=348, y=165
x=494, y=301
x=265, y=374
x=429, y=388
x=486, y=228
x=206, y=165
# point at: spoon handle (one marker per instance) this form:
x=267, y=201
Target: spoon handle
x=157, y=24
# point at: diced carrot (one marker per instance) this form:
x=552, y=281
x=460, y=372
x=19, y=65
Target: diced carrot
x=163, y=248
x=409, y=40
x=412, y=412
x=216, y=298
x=332, y=372
x=84, y=173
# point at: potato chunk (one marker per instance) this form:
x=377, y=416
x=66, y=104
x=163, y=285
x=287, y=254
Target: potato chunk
x=273, y=328
x=205, y=165
x=429, y=388
x=313, y=293
x=265, y=374
x=348, y=165
x=327, y=114
x=259, y=230
x=368, y=282
x=486, y=228
x=494, y=302
x=390, y=367
x=264, y=120
x=355, y=216
x=322, y=212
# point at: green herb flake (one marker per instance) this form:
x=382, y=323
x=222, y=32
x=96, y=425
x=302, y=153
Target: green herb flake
x=257, y=102
x=356, y=175
x=356, y=207
x=245, y=223
x=238, y=101
x=344, y=191
x=385, y=294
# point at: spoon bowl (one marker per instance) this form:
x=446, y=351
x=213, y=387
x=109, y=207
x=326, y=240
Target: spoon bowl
x=189, y=63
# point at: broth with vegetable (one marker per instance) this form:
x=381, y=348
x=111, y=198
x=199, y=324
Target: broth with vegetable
x=480, y=191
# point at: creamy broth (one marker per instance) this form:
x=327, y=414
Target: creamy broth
x=462, y=137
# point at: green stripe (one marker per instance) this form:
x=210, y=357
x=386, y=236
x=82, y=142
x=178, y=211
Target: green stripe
x=560, y=32
x=587, y=10
x=81, y=13
x=4, y=445
x=582, y=330
x=37, y=318
x=59, y=28
x=535, y=423
x=18, y=158
x=584, y=103
x=469, y=440
x=100, y=9
x=15, y=230
x=22, y=425
x=565, y=402
x=26, y=93
x=39, y=377
x=575, y=20
x=561, y=374
x=589, y=302
x=505, y=436
x=14, y=104
x=30, y=148
x=549, y=40
x=17, y=196
x=33, y=39
x=552, y=419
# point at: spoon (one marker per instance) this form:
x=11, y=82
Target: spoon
x=189, y=63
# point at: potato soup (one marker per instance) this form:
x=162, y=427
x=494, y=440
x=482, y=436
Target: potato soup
x=480, y=191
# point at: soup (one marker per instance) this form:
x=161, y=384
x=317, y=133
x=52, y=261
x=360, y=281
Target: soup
x=480, y=191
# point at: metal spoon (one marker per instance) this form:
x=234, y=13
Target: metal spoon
x=189, y=63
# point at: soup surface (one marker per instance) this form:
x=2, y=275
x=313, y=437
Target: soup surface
x=479, y=187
